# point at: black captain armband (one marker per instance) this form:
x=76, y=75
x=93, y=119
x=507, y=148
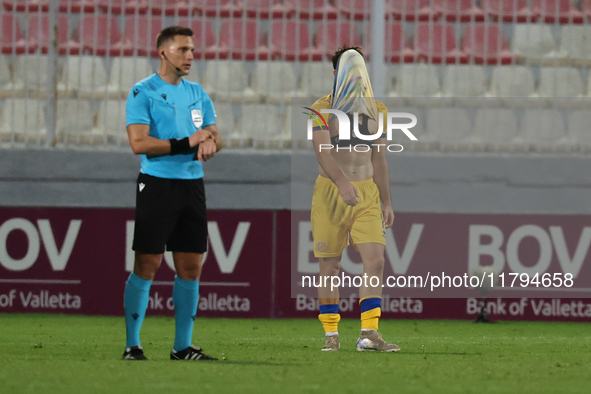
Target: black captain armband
x=179, y=146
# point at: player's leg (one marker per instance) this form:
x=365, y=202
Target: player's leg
x=370, y=293
x=329, y=302
x=154, y=221
x=330, y=218
x=188, y=242
x=370, y=296
x=135, y=299
x=185, y=296
x=367, y=233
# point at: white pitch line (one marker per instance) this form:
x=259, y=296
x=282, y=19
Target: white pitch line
x=42, y=281
x=226, y=284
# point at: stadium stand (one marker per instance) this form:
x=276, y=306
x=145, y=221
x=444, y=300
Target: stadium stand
x=533, y=42
x=226, y=81
x=315, y=9
x=486, y=44
x=459, y=10
x=111, y=121
x=333, y=34
x=170, y=7
x=203, y=35
x=138, y=38
x=464, y=81
x=275, y=82
x=24, y=119
x=26, y=5
x=519, y=54
x=436, y=43
x=213, y=8
x=450, y=126
x=77, y=6
x=397, y=48
x=125, y=72
x=38, y=34
x=411, y=10
x=82, y=76
x=88, y=39
x=497, y=129
x=561, y=11
x=12, y=39
x=508, y=10
x=578, y=127
x=290, y=40
x=117, y=7
x=317, y=79
x=543, y=130
x=239, y=40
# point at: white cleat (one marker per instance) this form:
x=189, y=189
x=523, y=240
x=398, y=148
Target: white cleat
x=372, y=341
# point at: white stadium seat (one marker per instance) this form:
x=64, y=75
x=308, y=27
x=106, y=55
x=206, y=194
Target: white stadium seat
x=543, y=129
x=417, y=80
x=575, y=44
x=560, y=82
x=84, y=75
x=111, y=121
x=25, y=119
x=225, y=80
x=263, y=123
x=534, y=42
x=514, y=81
x=75, y=122
x=464, y=81
x=126, y=72
x=450, y=127
x=578, y=128
x=496, y=128
x=225, y=119
x=317, y=79
x=30, y=72
x=275, y=81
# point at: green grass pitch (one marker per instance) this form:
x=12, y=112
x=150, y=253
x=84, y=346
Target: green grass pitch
x=77, y=354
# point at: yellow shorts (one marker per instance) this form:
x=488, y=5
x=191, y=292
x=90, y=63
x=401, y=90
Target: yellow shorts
x=333, y=221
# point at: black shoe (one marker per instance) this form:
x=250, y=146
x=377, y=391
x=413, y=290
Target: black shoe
x=191, y=353
x=134, y=353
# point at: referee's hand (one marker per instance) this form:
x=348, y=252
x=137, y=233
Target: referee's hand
x=198, y=137
x=206, y=150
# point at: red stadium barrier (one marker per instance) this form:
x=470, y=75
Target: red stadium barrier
x=76, y=261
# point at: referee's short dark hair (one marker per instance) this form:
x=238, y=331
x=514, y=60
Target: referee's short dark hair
x=340, y=51
x=170, y=32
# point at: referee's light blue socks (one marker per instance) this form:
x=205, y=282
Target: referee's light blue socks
x=136, y=297
x=185, y=296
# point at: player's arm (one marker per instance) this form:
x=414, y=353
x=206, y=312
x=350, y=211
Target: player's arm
x=321, y=141
x=381, y=177
x=142, y=143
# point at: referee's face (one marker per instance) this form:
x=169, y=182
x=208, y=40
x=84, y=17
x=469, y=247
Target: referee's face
x=180, y=53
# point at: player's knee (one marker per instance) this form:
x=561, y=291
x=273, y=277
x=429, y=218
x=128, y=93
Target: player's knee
x=376, y=265
x=330, y=266
x=146, y=265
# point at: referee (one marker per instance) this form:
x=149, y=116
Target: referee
x=171, y=124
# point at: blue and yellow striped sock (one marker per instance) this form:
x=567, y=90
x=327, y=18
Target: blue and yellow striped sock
x=330, y=318
x=371, y=310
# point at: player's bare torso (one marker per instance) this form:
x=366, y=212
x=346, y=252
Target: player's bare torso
x=355, y=164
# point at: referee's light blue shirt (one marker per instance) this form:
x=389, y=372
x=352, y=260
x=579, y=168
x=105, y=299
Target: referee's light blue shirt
x=171, y=111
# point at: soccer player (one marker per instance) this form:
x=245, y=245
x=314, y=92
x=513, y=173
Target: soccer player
x=171, y=124
x=346, y=200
